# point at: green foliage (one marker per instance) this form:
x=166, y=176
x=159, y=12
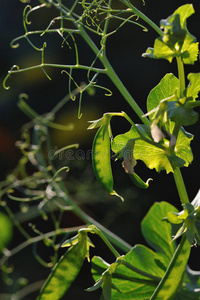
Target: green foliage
x=136, y=274
x=154, y=156
x=189, y=221
x=176, y=40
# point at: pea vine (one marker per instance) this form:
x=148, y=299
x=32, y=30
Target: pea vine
x=161, y=142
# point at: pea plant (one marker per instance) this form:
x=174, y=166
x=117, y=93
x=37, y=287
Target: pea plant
x=161, y=270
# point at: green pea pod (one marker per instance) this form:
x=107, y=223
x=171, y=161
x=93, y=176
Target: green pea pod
x=171, y=281
x=101, y=159
x=139, y=182
x=65, y=271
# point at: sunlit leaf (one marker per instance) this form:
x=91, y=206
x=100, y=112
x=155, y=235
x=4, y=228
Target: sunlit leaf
x=176, y=40
x=158, y=232
x=153, y=156
x=130, y=284
x=164, y=89
x=194, y=86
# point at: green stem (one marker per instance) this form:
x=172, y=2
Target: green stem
x=33, y=240
x=177, y=173
x=113, y=238
x=113, y=76
x=180, y=186
x=103, y=237
x=142, y=16
x=181, y=76
x=110, y=72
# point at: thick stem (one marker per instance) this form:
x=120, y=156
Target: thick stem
x=118, y=83
x=180, y=186
x=181, y=76
x=177, y=173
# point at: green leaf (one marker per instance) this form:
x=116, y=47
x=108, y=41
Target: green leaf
x=194, y=86
x=183, y=149
x=101, y=159
x=157, y=232
x=177, y=218
x=141, y=269
x=173, y=32
x=190, y=51
x=165, y=88
x=181, y=115
x=176, y=40
x=6, y=231
x=163, y=51
x=169, y=285
x=128, y=284
x=65, y=271
x=153, y=156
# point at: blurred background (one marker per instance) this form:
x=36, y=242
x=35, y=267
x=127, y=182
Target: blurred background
x=139, y=75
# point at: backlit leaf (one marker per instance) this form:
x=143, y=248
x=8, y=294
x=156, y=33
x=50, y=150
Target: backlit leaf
x=157, y=232
x=194, y=86
x=128, y=283
x=176, y=40
x=153, y=156
x=164, y=89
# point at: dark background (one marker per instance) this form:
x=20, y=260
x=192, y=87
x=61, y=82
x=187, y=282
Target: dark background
x=139, y=75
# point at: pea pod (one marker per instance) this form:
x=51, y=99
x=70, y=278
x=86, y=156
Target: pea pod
x=139, y=182
x=65, y=271
x=101, y=159
x=170, y=282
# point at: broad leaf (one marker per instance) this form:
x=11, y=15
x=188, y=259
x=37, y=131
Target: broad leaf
x=176, y=40
x=165, y=88
x=181, y=115
x=129, y=284
x=194, y=86
x=153, y=156
x=157, y=232
x=133, y=284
